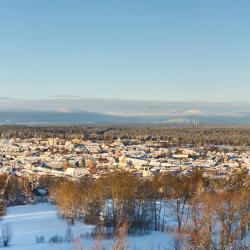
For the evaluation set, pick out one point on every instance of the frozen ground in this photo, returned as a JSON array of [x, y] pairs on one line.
[[28, 222]]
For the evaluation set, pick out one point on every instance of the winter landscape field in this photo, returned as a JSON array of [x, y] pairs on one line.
[[27, 222], [124, 125]]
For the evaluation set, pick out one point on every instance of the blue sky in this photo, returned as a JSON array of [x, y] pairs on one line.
[[133, 49]]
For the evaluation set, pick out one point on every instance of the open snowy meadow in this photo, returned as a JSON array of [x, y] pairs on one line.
[[30, 222]]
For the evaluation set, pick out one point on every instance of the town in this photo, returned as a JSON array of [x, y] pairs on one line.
[[76, 158]]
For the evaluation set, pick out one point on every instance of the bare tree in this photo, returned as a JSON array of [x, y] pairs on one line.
[[6, 235], [68, 233]]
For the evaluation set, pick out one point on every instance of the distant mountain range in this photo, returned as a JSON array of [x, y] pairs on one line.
[[90, 111], [41, 117]]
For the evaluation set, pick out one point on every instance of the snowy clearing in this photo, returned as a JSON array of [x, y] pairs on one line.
[[30, 221]]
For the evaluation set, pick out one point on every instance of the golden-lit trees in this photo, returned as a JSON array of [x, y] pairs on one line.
[[207, 214], [17, 190], [3, 180], [178, 190], [219, 220], [69, 197], [121, 189]]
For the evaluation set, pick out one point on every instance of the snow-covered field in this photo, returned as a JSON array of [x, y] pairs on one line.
[[28, 222]]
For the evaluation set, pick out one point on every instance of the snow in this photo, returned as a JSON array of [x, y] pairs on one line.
[[29, 221]]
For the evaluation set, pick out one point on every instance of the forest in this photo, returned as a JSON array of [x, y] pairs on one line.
[[168, 135]]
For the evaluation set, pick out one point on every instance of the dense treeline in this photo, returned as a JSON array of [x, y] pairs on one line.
[[198, 212], [14, 190], [170, 136]]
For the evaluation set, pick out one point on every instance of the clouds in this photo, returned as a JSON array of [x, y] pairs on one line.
[[123, 107], [194, 112], [93, 110]]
